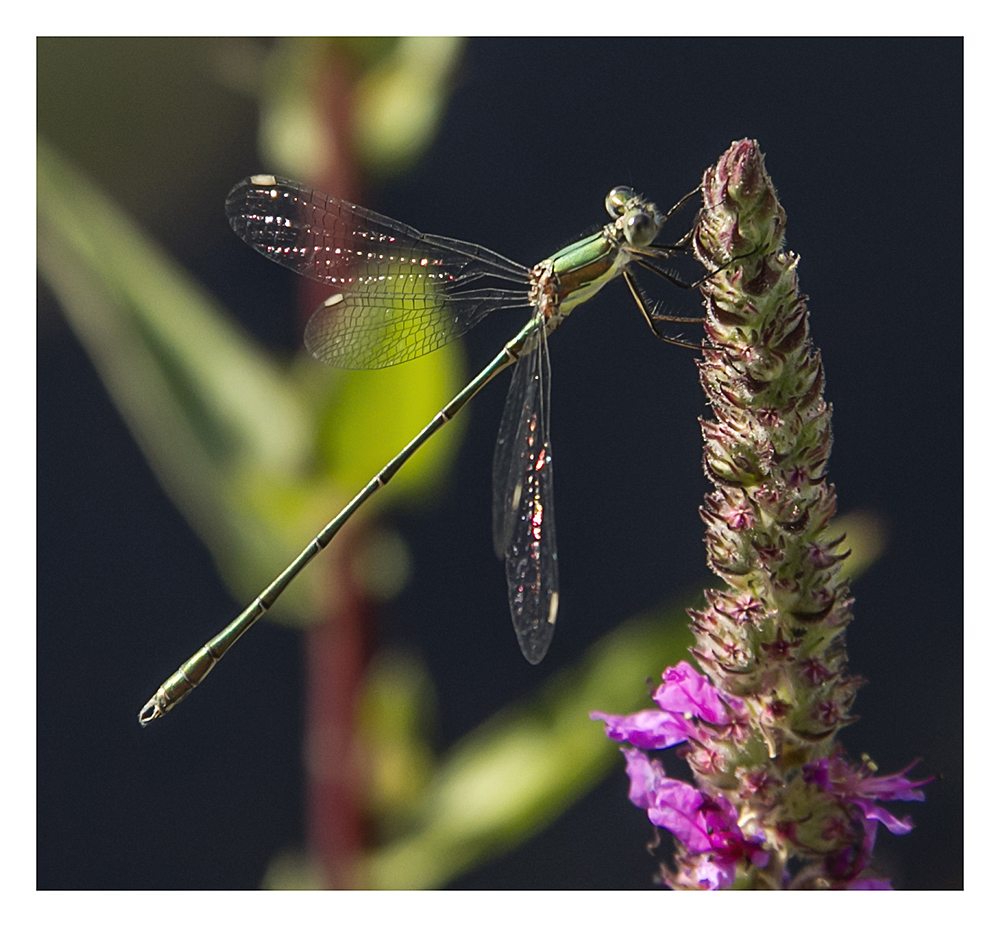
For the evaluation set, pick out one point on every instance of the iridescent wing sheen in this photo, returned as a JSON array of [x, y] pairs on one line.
[[524, 530], [401, 293]]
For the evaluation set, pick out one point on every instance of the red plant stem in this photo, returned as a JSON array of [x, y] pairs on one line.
[[337, 647]]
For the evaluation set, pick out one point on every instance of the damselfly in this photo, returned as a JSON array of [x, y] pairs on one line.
[[400, 294]]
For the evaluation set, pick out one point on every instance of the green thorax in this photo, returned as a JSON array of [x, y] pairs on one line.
[[583, 267]]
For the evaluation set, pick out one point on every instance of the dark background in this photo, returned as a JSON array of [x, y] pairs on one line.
[[863, 139]]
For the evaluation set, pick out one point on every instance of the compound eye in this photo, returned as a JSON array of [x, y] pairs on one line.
[[640, 229], [617, 200]]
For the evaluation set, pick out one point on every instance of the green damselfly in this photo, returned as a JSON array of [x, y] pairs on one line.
[[401, 294]]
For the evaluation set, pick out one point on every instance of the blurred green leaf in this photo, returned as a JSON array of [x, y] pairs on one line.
[[400, 89], [197, 393], [401, 100], [518, 772]]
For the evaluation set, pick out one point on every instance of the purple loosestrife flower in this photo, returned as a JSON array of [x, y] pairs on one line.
[[685, 697], [776, 803], [705, 826]]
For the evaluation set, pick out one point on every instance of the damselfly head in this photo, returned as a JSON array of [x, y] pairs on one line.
[[637, 218]]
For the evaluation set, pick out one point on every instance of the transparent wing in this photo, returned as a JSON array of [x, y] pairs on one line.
[[524, 530], [401, 293]]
